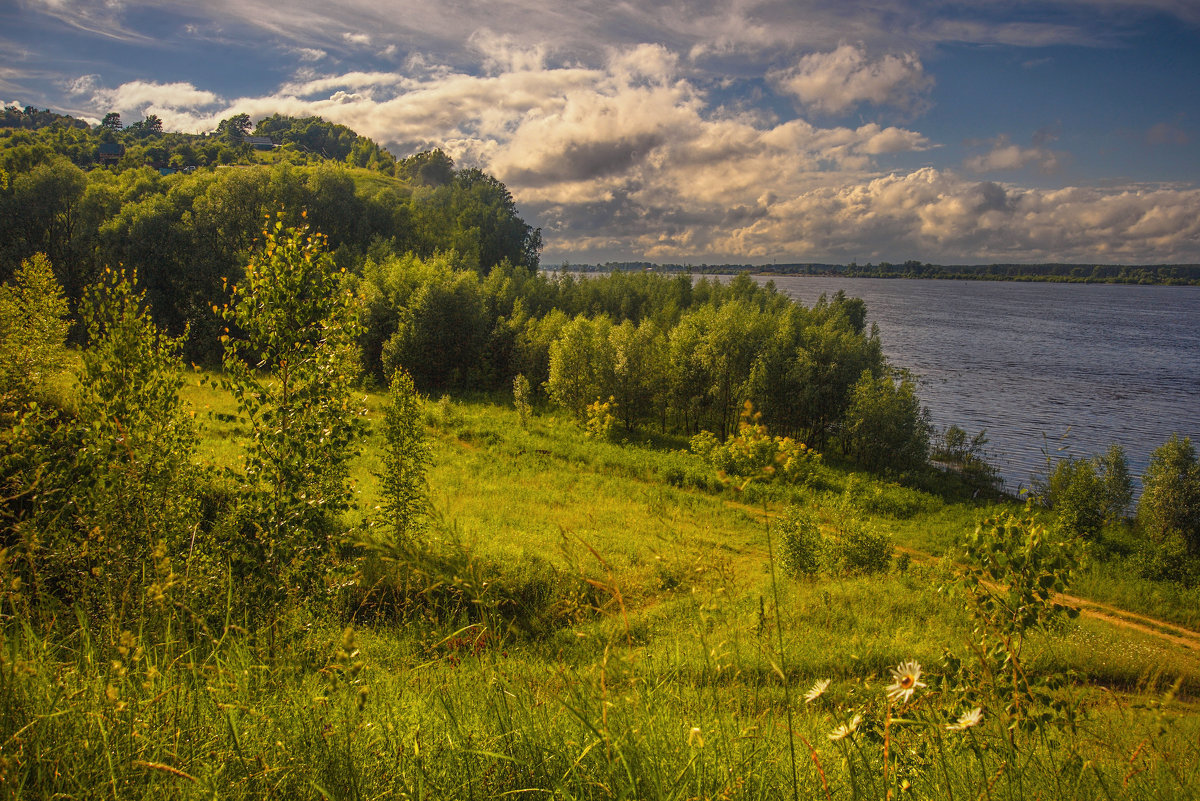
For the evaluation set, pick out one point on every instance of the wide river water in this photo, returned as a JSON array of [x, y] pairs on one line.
[[1041, 366]]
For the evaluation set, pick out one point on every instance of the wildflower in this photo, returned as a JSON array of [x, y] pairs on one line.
[[846, 729], [966, 720], [695, 739], [817, 691], [906, 678]]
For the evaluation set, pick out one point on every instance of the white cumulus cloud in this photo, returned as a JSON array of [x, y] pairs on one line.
[[846, 77], [634, 158], [142, 96], [1003, 154]]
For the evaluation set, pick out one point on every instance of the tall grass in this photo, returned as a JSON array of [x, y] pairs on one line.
[[581, 622]]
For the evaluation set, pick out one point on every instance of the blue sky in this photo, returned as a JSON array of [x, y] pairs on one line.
[[712, 131]]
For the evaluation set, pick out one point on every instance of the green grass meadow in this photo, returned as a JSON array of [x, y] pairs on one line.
[[600, 620]]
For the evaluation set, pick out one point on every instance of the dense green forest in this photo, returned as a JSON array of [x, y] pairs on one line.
[[185, 233], [448, 276]]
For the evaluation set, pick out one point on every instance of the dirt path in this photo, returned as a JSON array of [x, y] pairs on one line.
[[1160, 629], [1114, 616], [1096, 610]]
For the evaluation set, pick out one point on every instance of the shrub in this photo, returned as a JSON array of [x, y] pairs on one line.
[[704, 444], [1118, 484], [93, 494], [858, 547], [885, 427], [1015, 568], [1170, 505], [967, 457], [1087, 493], [801, 546], [1076, 493], [600, 419], [32, 331], [883, 498], [754, 453]]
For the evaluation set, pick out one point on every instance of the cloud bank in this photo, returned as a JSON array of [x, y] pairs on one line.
[[626, 150]]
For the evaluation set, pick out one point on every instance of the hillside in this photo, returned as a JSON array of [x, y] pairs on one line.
[[185, 232], [436, 524]]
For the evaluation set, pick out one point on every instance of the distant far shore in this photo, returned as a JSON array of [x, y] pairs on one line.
[[1157, 274]]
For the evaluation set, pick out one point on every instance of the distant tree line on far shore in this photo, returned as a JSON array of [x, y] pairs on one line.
[[1167, 274]]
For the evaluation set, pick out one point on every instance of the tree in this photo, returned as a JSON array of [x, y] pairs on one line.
[[145, 127], [581, 365], [429, 168], [1118, 484], [442, 332], [639, 371], [111, 121], [235, 128], [885, 427], [33, 329], [292, 376], [405, 460], [1169, 509], [1075, 491], [45, 205]]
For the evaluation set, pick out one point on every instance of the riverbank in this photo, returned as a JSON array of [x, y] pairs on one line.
[[1140, 274]]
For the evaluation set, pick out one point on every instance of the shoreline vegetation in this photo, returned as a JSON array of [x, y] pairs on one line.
[[350, 506], [1142, 274]]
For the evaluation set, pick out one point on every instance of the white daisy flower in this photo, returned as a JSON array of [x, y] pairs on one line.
[[906, 678], [817, 690], [846, 729], [966, 720]]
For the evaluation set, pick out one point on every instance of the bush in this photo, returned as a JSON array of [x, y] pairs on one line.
[[1118, 484], [852, 547], [858, 547], [600, 419], [801, 546], [1087, 493], [883, 498], [754, 453], [1170, 506], [1076, 493], [885, 426], [967, 458]]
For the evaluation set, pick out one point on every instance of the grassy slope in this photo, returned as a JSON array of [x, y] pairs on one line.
[[604, 510], [673, 693]]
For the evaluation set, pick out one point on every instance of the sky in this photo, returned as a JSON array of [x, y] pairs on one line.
[[701, 132]]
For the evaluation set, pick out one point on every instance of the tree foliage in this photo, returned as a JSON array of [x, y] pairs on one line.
[[33, 331], [1169, 509], [885, 425], [291, 370], [405, 461]]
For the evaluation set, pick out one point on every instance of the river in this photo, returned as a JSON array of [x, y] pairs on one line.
[[1045, 368]]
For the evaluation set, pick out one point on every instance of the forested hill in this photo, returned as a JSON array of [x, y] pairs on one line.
[[184, 211]]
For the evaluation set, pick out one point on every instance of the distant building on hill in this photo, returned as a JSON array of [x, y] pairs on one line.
[[259, 142], [110, 152]]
